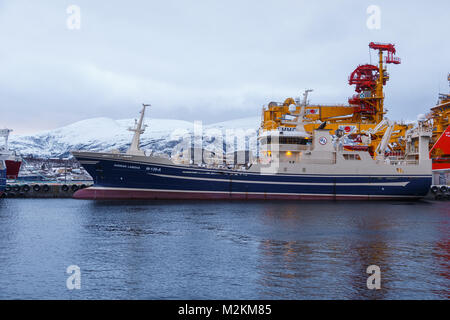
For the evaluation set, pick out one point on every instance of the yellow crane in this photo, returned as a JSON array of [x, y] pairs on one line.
[[364, 112]]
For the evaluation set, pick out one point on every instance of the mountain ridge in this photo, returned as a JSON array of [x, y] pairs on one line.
[[103, 134]]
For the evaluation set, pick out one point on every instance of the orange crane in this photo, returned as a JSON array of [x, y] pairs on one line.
[[365, 110]]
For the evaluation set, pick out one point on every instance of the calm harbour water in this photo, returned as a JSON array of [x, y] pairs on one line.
[[224, 250]]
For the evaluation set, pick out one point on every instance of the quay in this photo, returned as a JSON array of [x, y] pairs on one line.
[[43, 189]]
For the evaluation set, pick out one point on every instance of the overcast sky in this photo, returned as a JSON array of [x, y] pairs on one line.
[[208, 60]]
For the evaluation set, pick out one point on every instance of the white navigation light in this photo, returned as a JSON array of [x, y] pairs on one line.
[[292, 108]]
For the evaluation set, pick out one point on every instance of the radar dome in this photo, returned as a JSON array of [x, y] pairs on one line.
[[421, 117]]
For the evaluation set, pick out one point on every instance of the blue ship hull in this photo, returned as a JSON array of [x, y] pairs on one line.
[[122, 179], [2, 181]]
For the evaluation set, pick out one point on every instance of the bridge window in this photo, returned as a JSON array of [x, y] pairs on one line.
[[349, 156], [286, 140]]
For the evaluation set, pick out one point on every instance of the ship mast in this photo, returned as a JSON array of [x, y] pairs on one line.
[[138, 129], [383, 76], [301, 116]]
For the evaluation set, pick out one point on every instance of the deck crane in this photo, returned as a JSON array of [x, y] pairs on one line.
[[387, 125], [365, 109]]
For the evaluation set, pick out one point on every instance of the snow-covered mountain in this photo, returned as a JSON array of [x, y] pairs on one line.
[[103, 134]]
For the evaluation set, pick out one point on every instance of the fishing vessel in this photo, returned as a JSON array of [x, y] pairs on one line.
[[291, 164], [305, 152], [2, 177], [11, 159]]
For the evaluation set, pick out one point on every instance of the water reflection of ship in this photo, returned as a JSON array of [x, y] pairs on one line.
[[305, 267], [442, 250]]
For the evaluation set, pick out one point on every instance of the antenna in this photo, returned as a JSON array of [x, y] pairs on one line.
[[305, 96]]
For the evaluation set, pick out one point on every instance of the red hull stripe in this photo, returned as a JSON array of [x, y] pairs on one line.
[[99, 193]]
